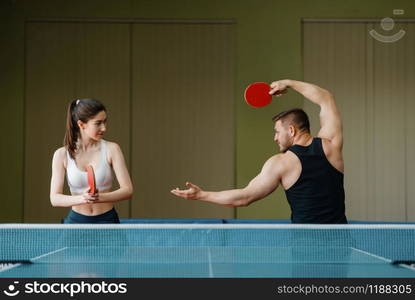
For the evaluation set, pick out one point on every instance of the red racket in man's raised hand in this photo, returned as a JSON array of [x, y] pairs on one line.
[[257, 94], [91, 180]]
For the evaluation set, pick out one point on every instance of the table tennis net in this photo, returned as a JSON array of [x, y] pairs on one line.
[[39, 243]]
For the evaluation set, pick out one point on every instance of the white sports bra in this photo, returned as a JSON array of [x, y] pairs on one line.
[[78, 180]]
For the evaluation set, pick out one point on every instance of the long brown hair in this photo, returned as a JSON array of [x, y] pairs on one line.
[[79, 109]]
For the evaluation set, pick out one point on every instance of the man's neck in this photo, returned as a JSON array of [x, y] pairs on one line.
[[303, 139]]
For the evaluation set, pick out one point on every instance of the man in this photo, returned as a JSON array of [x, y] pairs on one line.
[[310, 169]]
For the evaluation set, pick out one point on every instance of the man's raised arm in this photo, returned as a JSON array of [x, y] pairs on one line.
[[330, 119]]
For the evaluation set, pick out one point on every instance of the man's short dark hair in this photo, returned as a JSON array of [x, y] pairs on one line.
[[295, 116]]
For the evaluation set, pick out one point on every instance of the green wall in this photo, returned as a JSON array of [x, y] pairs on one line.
[[268, 47]]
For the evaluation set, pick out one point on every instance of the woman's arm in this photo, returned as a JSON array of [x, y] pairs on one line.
[[123, 177]]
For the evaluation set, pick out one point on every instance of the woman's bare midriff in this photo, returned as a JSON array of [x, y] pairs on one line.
[[93, 209]]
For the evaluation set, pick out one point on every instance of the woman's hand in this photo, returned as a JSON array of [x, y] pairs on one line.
[[89, 198]]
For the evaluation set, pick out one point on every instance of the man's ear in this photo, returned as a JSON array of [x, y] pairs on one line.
[[292, 130]]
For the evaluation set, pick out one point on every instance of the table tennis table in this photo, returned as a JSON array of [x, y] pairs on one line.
[[206, 251]]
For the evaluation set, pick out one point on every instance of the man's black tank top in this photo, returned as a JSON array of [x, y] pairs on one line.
[[318, 195]]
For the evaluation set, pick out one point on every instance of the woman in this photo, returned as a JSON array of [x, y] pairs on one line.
[[83, 146]]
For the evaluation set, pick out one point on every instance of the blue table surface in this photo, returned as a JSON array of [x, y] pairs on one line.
[[205, 262]]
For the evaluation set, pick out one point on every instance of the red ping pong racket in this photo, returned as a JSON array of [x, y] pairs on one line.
[[257, 94], [91, 180]]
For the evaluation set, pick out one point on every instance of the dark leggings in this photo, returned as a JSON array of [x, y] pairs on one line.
[[108, 217]]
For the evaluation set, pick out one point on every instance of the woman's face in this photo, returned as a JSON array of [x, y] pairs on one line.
[[95, 127]]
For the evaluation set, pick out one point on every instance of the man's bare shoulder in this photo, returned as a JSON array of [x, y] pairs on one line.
[[281, 159]]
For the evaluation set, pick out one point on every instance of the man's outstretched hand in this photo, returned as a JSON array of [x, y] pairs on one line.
[[193, 192]]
